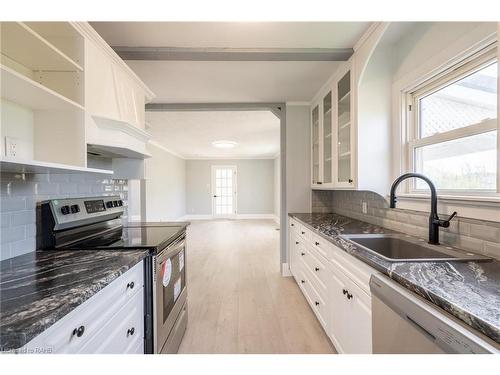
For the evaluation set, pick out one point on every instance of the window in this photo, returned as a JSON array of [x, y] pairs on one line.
[[453, 129]]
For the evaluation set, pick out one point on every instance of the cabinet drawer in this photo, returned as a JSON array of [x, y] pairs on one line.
[[92, 315], [321, 245], [123, 332], [318, 271], [356, 270], [317, 303]]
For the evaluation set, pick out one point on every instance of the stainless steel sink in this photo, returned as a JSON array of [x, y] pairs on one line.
[[401, 248]]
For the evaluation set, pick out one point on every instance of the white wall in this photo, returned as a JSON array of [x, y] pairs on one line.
[[165, 185], [277, 187], [298, 159], [255, 183]]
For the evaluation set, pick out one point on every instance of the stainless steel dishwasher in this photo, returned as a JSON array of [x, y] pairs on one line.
[[405, 323]]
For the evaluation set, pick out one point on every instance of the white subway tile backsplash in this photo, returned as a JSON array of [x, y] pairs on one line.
[[21, 194], [22, 217], [12, 234]]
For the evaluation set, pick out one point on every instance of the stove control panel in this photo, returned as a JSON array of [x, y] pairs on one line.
[[71, 212]]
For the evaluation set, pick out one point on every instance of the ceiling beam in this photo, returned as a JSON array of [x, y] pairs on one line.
[[233, 54], [275, 108]]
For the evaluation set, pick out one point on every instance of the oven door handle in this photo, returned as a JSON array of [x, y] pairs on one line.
[[171, 250]]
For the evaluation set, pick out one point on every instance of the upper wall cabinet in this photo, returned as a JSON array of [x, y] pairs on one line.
[[332, 163]]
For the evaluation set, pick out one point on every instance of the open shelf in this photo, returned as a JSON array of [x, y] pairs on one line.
[[26, 47], [345, 99], [345, 126], [34, 166], [20, 89]]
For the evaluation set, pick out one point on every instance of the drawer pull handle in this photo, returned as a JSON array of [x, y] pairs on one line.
[[130, 285], [317, 243], [303, 281], [296, 242], [349, 296], [79, 331], [130, 331], [302, 254], [316, 269], [344, 291], [316, 303]]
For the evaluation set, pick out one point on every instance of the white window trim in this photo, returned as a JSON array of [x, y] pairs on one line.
[[410, 99]]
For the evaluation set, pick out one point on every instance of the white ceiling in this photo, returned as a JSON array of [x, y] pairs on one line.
[[190, 134], [232, 34], [233, 81]]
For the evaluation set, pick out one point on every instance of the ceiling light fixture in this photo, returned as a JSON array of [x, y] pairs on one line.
[[224, 144]]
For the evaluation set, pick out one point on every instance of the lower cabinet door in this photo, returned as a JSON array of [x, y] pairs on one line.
[[124, 333], [350, 328]]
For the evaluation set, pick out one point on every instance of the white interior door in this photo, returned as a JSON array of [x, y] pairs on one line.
[[224, 190]]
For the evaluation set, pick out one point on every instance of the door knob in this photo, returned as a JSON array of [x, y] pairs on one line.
[[316, 269], [131, 331]]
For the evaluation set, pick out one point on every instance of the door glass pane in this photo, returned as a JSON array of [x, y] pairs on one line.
[[327, 138], [315, 143], [462, 164], [224, 191], [467, 101], [344, 129]]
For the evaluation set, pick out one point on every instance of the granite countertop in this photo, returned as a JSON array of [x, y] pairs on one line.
[[39, 288], [470, 291]]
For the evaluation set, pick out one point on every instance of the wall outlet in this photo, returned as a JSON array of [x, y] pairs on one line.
[[364, 206], [11, 146]]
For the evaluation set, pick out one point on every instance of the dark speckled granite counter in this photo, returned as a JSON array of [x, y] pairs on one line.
[[39, 288], [468, 290]]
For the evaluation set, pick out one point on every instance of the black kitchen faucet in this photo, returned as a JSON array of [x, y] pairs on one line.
[[434, 221]]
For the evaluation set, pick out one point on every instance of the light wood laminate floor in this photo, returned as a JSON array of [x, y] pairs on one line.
[[238, 301]]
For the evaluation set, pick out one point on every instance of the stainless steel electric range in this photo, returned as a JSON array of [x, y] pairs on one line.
[[96, 224]]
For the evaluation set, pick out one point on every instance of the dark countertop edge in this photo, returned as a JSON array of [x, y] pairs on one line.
[[428, 295], [90, 291]]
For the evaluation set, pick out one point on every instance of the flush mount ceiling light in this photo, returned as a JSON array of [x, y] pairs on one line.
[[224, 144]]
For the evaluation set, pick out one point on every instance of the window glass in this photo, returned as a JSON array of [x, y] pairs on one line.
[[468, 101], [468, 163]]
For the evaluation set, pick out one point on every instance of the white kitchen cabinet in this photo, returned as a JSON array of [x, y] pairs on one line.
[[332, 134], [111, 321], [350, 315], [335, 284]]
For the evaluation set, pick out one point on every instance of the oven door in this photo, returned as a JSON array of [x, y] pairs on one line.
[[170, 288]]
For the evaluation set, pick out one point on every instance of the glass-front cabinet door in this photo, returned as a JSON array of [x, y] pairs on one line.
[[327, 137], [344, 132], [315, 145]]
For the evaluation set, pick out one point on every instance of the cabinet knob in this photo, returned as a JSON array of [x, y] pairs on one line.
[[349, 296], [344, 292], [350, 180], [302, 254], [302, 281], [78, 332], [316, 243], [303, 232], [292, 224], [296, 242], [130, 331], [316, 303], [130, 285], [316, 269]]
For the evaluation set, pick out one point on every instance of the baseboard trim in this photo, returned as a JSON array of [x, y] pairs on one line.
[[285, 270]]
